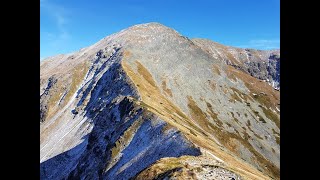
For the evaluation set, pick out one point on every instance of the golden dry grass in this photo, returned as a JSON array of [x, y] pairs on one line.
[[178, 168], [271, 97], [215, 69], [226, 137], [122, 142], [227, 53], [264, 93], [160, 167], [77, 76], [165, 88], [157, 103]]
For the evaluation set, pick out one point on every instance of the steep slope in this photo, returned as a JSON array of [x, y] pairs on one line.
[[115, 109], [264, 65]]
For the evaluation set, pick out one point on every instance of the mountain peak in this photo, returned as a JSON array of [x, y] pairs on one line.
[[147, 102], [150, 24], [151, 27]]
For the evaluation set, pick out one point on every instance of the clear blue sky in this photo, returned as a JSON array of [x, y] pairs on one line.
[[69, 25]]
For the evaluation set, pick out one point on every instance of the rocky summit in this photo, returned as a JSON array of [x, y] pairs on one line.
[[150, 103]]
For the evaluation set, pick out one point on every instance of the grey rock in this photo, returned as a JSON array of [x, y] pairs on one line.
[[111, 110]]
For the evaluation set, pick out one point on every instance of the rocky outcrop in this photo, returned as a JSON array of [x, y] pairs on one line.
[[124, 136], [45, 96], [187, 167], [120, 107], [264, 65]]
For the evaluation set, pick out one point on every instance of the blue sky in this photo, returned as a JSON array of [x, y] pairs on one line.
[[69, 25]]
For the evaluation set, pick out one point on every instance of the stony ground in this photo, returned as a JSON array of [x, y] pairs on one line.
[[117, 108]]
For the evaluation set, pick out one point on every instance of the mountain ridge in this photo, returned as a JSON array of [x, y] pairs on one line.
[[131, 72]]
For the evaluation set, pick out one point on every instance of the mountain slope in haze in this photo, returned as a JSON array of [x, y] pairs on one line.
[[147, 103]]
